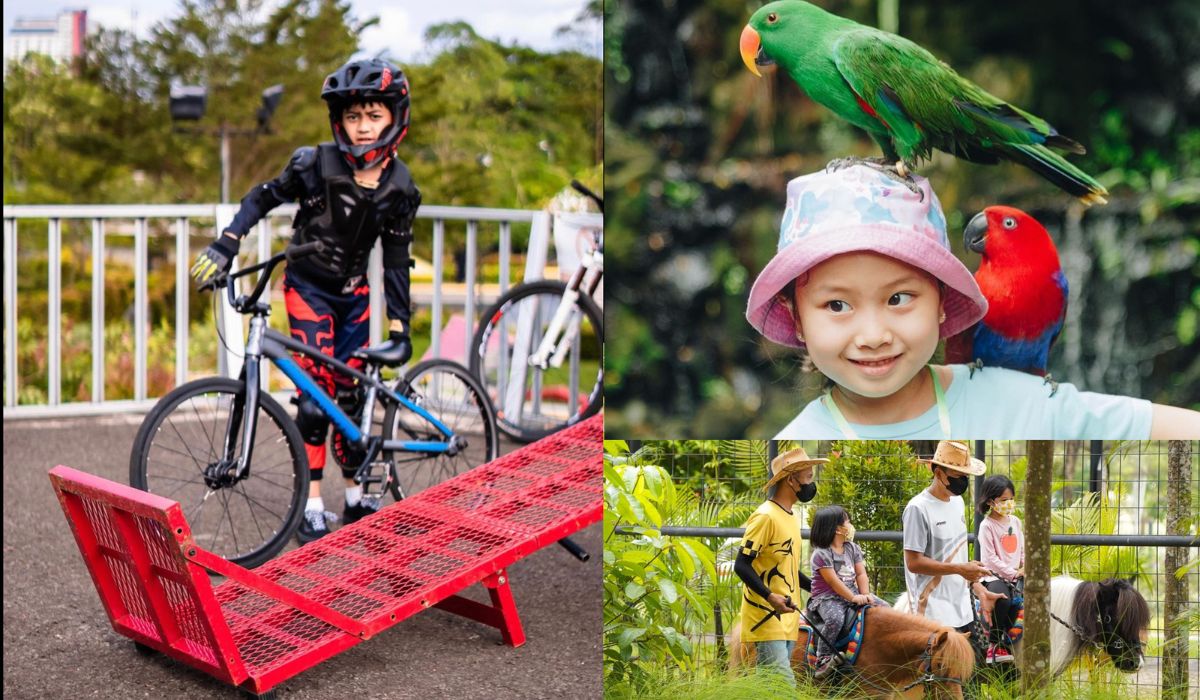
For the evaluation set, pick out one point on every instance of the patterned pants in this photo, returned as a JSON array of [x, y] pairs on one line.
[[832, 609], [337, 323]]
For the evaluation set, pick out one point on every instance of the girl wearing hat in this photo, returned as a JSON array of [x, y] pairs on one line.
[[768, 564], [864, 280]]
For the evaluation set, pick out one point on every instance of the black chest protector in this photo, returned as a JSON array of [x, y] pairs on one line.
[[348, 218]]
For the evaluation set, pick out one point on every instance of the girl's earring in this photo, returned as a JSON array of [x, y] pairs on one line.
[[943, 318], [799, 335]]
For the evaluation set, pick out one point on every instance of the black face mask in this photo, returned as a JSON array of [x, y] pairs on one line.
[[957, 485], [806, 493]]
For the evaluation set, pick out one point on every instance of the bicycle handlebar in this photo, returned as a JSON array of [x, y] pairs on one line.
[[292, 253], [582, 189]]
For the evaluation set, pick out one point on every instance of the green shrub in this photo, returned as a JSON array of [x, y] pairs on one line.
[[649, 603]]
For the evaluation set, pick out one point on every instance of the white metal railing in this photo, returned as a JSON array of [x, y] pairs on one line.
[[229, 322]]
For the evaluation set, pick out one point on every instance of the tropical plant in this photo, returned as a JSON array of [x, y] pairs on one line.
[[649, 603], [1095, 513]]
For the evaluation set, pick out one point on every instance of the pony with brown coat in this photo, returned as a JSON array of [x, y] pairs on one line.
[[892, 658]]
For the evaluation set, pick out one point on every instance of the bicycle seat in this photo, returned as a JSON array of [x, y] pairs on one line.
[[387, 354]]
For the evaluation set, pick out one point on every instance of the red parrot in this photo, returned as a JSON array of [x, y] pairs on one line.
[[1026, 291]]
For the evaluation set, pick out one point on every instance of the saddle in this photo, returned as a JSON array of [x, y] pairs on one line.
[[849, 636], [1017, 596]]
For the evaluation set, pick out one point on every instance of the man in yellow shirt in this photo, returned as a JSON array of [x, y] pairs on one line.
[[768, 563]]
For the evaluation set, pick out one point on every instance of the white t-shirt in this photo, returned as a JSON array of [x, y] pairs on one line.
[[937, 529], [998, 404]]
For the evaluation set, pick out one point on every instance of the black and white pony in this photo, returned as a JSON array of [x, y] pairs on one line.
[[1088, 618]]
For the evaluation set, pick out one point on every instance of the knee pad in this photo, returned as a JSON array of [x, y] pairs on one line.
[[311, 420]]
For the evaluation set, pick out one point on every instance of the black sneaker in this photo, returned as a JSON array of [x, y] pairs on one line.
[[312, 526], [365, 507]]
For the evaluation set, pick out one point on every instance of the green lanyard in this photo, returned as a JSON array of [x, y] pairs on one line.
[[848, 432]]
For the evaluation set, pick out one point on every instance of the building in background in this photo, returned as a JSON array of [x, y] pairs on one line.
[[61, 38]]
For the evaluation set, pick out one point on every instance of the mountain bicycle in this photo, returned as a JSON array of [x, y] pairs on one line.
[[233, 457], [539, 350]]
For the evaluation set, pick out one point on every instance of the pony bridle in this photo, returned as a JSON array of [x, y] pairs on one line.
[[1107, 632], [927, 676]]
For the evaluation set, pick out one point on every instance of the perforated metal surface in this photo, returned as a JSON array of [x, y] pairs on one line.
[[409, 556], [397, 560], [130, 541]]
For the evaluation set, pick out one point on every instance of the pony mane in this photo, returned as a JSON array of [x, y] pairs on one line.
[[953, 656], [1131, 612]]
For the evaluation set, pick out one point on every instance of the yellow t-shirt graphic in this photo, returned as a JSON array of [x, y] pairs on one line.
[[773, 539]]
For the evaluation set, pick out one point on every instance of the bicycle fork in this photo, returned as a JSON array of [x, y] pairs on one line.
[[243, 417], [586, 278]]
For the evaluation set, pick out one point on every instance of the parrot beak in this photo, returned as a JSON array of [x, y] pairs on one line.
[[752, 52], [975, 235]]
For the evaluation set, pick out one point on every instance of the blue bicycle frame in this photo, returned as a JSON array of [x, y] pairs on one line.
[[265, 342]]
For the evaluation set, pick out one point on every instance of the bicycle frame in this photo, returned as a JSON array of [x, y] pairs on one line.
[[265, 342], [584, 280]]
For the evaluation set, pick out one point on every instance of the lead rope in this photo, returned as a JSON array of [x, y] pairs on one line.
[[848, 432]]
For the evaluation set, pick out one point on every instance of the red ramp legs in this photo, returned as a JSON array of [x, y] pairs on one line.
[[501, 614]]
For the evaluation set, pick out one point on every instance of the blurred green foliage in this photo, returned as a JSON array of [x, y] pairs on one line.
[[699, 151]]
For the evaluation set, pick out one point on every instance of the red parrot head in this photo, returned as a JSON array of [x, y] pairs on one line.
[[1007, 235]]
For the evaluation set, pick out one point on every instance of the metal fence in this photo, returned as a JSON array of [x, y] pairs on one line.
[[1131, 474], [173, 233]]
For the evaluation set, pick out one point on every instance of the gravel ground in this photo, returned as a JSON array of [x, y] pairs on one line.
[[58, 642]]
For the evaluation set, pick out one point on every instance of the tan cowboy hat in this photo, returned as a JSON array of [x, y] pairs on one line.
[[955, 455], [791, 462]]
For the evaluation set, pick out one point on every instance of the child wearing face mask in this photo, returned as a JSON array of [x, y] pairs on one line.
[[839, 580], [1002, 551], [864, 280]]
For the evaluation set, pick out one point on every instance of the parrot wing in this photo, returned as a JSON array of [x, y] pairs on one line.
[[925, 104]]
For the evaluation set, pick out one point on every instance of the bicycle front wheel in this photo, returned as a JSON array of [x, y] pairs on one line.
[[532, 402], [182, 440], [449, 393]]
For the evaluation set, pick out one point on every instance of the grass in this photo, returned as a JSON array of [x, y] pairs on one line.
[[1100, 683]]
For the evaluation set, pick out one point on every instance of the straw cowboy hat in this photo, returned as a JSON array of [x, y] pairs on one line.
[[791, 462], [955, 455]]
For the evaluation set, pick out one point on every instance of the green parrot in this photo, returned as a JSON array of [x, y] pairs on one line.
[[904, 97]]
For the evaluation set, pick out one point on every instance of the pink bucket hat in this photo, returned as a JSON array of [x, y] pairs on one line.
[[859, 208]]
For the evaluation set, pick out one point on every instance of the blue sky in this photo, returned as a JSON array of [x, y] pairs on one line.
[[402, 24]]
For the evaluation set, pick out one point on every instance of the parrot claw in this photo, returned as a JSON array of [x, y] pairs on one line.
[[839, 163], [1053, 384], [976, 365], [898, 170]]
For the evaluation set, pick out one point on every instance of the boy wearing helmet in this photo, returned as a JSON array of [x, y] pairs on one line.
[[351, 192]]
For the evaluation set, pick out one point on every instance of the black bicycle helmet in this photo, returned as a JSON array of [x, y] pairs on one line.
[[373, 80]]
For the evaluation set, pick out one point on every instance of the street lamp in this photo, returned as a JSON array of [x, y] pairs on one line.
[[188, 103]]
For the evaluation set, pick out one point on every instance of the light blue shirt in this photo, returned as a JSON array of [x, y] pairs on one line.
[[998, 404]]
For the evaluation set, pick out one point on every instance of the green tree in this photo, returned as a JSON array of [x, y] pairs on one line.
[[873, 480]]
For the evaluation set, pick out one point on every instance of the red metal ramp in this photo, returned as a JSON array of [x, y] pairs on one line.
[[261, 627]]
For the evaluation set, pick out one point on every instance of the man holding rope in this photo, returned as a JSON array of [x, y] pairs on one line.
[[937, 571], [768, 563]]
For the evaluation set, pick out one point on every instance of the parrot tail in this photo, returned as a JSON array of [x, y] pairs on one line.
[[1058, 171]]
